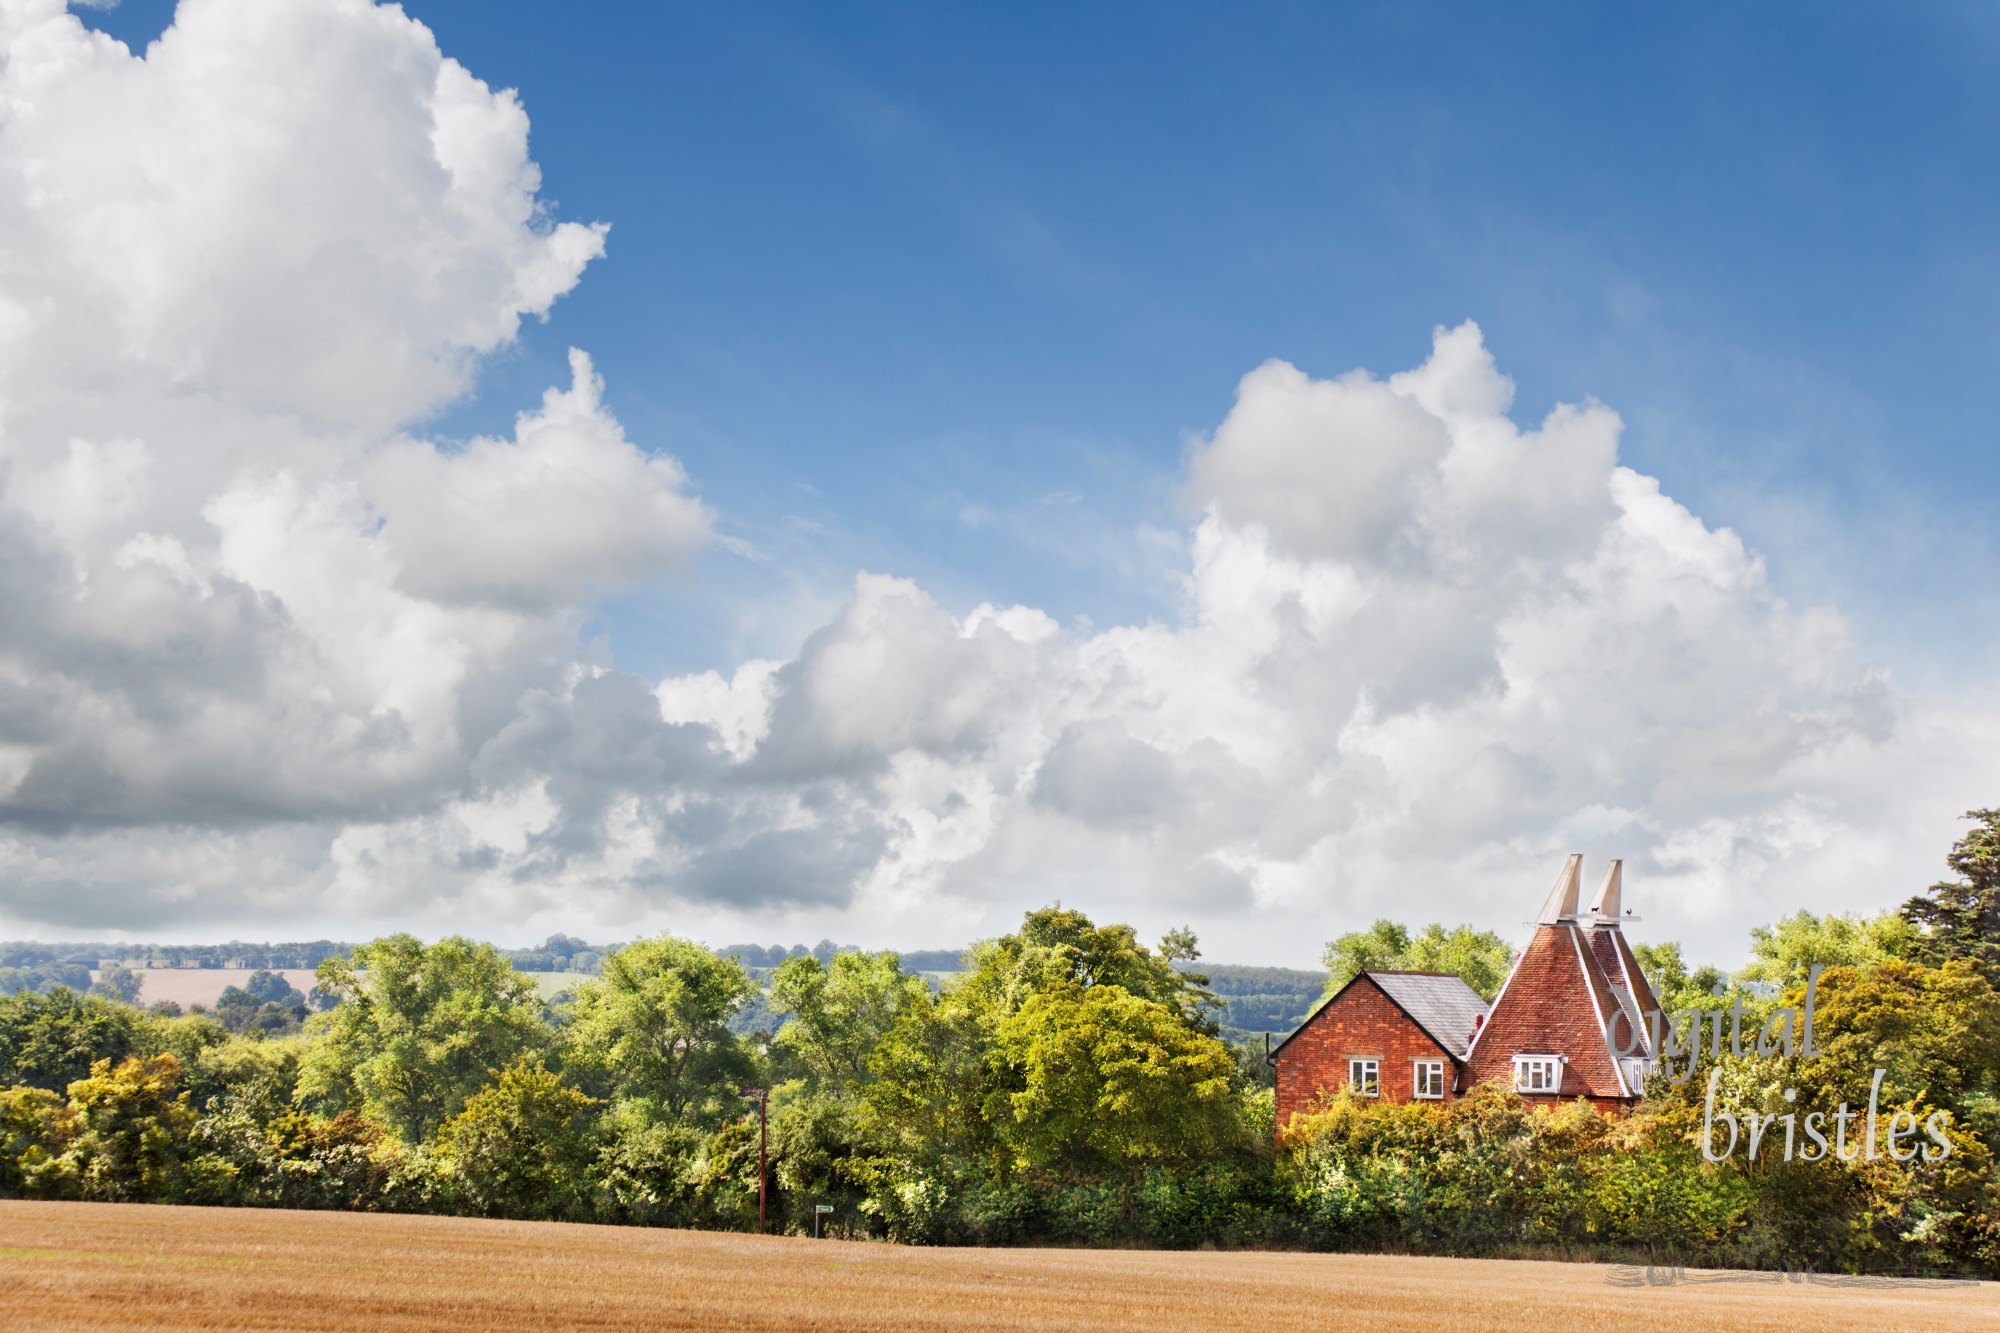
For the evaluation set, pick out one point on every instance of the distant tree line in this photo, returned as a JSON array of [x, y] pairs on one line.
[[28, 965], [93, 954], [1068, 1084], [44, 976]]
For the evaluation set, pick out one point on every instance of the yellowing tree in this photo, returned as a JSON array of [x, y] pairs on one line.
[[124, 1130], [1108, 1077]]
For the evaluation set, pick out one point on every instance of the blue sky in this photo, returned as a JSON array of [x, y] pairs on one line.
[[878, 270], [976, 298]]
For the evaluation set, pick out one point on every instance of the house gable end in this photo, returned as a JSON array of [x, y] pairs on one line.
[[1327, 1004], [1360, 1022]]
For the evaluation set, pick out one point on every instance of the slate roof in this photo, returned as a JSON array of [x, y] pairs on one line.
[[1442, 1004]]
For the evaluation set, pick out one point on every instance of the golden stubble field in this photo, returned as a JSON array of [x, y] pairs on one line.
[[131, 1266]]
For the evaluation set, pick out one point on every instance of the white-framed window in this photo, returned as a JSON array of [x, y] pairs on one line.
[[1538, 1073], [1430, 1079], [1365, 1076]]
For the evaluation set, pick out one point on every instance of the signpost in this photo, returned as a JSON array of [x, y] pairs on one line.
[[819, 1210]]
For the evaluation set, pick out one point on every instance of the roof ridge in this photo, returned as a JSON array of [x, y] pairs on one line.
[[1409, 972]]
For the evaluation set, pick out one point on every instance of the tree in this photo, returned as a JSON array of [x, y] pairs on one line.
[[840, 1012], [1783, 954], [29, 1118], [257, 1077], [50, 1040], [265, 1005], [1936, 1030], [1102, 1078], [523, 1146], [1676, 988], [43, 976], [124, 1131], [1068, 1047], [654, 1029], [295, 1160], [1960, 918], [188, 1038], [1381, 947], [418, 1030], [117, 982], [1059, 946], [1479, 957], [926, 1106]]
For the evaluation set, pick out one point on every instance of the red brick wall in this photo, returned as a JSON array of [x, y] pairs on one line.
[[1362, 1021]]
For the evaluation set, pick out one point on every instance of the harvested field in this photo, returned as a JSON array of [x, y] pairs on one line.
[[203, 985], [133, 1266]]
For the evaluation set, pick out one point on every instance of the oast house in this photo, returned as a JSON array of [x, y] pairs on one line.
[[1572, 1020]]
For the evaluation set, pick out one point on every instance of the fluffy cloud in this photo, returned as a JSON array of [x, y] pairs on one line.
[[566, 508], [268, 655], [1426, 652], [298, 208], [243, 607]]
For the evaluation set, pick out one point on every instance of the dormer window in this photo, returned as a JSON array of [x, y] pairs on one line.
[[1537, 1073]]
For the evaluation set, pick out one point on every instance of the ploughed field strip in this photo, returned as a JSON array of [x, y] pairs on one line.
[[130, 1266]]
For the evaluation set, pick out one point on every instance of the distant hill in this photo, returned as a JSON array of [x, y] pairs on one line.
[[1258, 1000]]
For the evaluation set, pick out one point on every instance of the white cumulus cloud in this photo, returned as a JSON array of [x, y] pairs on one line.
[[1425, 653], [269, 655], [243, 602]]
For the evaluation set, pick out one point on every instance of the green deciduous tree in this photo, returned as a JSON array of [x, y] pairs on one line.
[[653, 1030], [1936, 1030], [50, 1040], [1381, 947], [927, 1103], [1058, 946], [1479, 957], [28, 1138], [522, 1147], [840, 1011], [260, 1077], [1783, 954], [117, 982], [418, 1031], [1677, 988], [1068, 1075], [294, 1160]]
